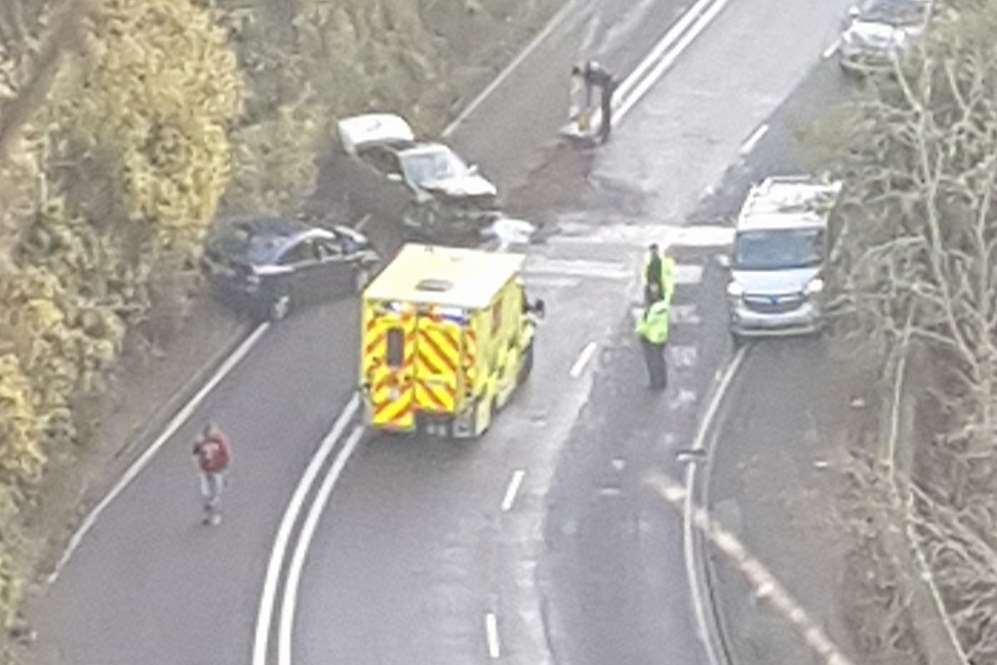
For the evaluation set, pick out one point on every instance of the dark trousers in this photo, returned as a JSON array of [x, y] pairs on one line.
[[654, 358], [607, 114]]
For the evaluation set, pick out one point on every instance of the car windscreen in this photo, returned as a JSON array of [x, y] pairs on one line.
[[778, 249], [423, 167], [243, 243]]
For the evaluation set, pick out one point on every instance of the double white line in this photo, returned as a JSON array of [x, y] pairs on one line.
[[292, 578], [662, 57]]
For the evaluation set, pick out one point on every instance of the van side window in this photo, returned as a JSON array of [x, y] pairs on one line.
[[396, 348]]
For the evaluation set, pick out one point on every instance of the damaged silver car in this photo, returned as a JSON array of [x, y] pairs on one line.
[[383, 171]]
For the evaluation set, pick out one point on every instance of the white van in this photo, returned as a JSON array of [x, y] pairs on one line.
[[778, 257]]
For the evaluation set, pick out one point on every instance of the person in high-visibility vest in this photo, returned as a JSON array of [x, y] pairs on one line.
[[659, 276], [652, 329]]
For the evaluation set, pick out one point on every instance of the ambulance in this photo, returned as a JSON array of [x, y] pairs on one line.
[[446, 338]]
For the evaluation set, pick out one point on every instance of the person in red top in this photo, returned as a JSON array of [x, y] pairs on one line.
[[212, 454]]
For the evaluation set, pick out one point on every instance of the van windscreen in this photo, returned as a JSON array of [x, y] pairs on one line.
[[778, 249]]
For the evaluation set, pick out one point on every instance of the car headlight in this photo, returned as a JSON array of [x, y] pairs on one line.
[[735, 290], [814, 286]]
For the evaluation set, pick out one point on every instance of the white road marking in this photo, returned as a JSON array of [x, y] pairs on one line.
[[512, 489], [830, 50], [693, 236], [583, 360], [171, 428], [681, 400], [550, 282], [685, 315], [492, 636], [688, 273], [682, 355], [659, 70], [268, 596], [538, 265], [362, 223], [290, 602], [472, 107], [753, 140], [691, 569]]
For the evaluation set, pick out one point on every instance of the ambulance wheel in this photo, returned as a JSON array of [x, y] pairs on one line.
[[527, 366]]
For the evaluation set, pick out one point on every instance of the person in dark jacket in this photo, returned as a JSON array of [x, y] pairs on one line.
[[595, 75]]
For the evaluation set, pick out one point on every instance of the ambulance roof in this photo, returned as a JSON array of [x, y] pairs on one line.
[[450, 276]]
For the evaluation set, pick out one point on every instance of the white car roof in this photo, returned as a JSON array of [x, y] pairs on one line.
[[358, 131], [783, 202]]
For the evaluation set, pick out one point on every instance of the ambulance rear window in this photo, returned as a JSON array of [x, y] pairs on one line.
[[396, 347]]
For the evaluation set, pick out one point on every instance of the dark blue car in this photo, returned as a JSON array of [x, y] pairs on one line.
[[270, 265]]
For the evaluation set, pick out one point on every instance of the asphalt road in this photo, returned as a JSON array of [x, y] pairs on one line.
[[779, 440], [415, 551], [587, 566]]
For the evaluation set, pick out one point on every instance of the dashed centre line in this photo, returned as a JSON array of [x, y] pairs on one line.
[[753, 140], [512, 489], [829, 51], [583, 360], [492, 636]]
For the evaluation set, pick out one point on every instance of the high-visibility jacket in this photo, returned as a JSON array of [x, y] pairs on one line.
[[653, 324], [661, 270]]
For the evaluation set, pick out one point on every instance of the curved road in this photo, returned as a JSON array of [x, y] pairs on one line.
[[415, 553]]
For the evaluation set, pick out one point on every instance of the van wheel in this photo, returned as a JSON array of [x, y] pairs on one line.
[[280, 307], [527, 366]]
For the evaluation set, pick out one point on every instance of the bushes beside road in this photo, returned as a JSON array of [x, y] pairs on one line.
[[125, 126], [919, 155], [117, 169]]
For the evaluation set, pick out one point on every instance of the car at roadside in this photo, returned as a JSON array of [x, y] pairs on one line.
[[876, 31], [270, 265], [778, 259], [382, 170]]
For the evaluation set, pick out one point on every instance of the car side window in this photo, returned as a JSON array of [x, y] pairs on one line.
[[383, 160], [329, 249], [303, 252]]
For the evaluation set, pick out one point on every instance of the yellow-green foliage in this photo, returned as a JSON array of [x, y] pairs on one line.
[[111, 184], [21, 456], [161, 86], [275, 159]]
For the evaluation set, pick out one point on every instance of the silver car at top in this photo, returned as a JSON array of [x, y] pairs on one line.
[[876, 31]]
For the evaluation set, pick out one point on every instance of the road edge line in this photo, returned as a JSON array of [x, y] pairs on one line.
[[268, 595], [289, 602], [136, 467], [553, 23], [698, 585]]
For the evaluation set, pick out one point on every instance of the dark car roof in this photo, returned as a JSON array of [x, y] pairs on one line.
[[259, 240]]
